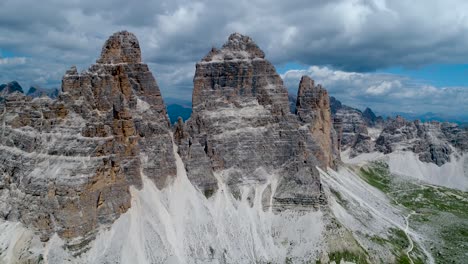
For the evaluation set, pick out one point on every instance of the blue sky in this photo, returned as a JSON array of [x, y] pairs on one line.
[[6, 54], [406, 55], [436, 74]]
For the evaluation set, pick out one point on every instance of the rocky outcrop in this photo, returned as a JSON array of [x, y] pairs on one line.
[[371, 119], [241, 127], [313, 109], [353, 125], [432, 141], [67, 164]]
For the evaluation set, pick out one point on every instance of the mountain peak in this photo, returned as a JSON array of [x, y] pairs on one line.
[[121, 47], [238, 47], [10, 87]]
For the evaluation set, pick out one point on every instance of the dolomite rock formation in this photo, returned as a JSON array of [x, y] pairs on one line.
[[432, 141], [371, 119], [241, 127], [66, 165], [313, 108], [353, 126]]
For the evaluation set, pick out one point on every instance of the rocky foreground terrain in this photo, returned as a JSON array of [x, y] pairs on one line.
[[98, 175]]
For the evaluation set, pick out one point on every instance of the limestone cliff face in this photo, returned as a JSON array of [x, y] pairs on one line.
[[313, 109], [433, 141], [67, 164], [241, 126], [352, 127]]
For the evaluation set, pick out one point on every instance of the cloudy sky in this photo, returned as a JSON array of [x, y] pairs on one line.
[[399, 55]]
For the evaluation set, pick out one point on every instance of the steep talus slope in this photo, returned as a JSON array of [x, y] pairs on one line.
[[241, 122], [67, 164]]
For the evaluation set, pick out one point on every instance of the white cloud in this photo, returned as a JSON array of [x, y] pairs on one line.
[[12, 61]]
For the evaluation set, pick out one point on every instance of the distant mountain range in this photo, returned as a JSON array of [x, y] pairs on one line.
[[429, 116], [14, 86]]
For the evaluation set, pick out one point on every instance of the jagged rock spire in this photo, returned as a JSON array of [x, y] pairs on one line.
[[121, 47], [313, 108], [237, 73], [237, 47]]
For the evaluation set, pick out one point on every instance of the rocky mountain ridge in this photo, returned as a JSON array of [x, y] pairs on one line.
[[68, 163], [98, 175], [9, 88], [14, 86], [241, 122], [433, 142]]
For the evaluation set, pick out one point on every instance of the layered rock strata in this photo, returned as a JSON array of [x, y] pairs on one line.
[[433, 141], [241, 129], [67, 164]]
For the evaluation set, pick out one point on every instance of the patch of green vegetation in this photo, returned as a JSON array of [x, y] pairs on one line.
[[440, 213], [431, 200], [209, 192], [357, 258], [339, 198], [398, 239], [403, 259], [377, 175], [379, 240]]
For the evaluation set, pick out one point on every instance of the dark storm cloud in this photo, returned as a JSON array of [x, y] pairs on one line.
[[350, 35]]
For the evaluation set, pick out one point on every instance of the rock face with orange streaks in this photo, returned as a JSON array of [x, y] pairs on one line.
[[67, 164], [313, 109]]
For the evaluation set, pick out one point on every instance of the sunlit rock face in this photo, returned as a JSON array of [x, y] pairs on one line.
[[67, 164], [313, 109], [241, 125]]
